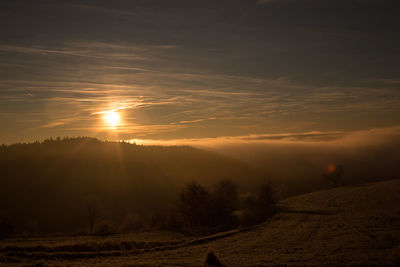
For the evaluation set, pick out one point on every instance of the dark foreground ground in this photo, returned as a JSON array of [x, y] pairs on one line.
[[357, 225]]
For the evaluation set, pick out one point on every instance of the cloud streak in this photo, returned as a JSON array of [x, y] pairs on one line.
[[335, 139], [155, 97], [95, 50]]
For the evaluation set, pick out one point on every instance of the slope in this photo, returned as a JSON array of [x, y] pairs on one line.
[[355, 225], [343, 226], [49, 186]]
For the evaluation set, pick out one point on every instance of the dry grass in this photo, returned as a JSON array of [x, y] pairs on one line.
[[358, 225]]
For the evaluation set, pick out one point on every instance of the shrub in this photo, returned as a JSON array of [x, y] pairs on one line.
[[103, 229], [247, 217], [165, 221], [197, 207], [131, 223], [257, 208]]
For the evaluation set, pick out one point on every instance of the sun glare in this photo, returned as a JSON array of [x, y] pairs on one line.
[[111, 118]]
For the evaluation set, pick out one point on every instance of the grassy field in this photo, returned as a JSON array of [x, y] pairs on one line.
[[357, 225]]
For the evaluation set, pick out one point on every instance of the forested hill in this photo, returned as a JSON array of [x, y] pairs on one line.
[[49, 185]]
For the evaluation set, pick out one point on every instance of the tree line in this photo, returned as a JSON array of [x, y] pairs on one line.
[[218, 208]]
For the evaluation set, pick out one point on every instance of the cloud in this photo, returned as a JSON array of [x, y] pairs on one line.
[[95, 50], [296, 137], [370, 137], [197, 120], [138, 80], [263, 66], [55, 124], [212, 104]]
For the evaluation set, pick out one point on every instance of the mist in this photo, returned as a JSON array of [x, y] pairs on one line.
[[295, 162]]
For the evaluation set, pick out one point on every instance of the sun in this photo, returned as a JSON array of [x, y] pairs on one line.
[[111, 118]]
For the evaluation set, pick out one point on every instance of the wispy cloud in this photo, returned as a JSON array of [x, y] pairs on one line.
[[56, 123], [370, 137], [69, 96], [179, 98], [93, 50]]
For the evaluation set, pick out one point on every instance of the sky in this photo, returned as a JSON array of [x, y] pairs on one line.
[[198, 69]]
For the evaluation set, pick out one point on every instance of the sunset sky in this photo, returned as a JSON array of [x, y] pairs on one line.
[[193, 69]]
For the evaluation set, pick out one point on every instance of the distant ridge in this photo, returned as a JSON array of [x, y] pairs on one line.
[[47, 184]]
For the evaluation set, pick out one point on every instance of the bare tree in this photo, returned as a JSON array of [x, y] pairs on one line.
[[92, 215], [225, 200], [193, 205], [267, 200]]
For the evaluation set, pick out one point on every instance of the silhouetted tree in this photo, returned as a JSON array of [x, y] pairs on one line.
[[334, 175], [125, 177], [266, 201], [92, 215], [193, 204], [197, 206], [224, 202]]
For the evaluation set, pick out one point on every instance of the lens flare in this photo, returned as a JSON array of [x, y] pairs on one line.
[[111, 118], [331, 168]]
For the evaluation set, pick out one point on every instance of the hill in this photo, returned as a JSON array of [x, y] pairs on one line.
[[355, 225], [50, 186], [343, 226]]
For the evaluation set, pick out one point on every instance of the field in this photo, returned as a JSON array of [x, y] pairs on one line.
[[355, 225]]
